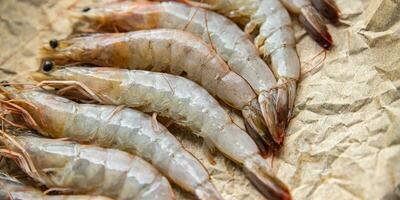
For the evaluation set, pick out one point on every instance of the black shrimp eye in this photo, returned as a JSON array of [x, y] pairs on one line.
[[47, 65], [86, 9], [53, 43], [5, 83]]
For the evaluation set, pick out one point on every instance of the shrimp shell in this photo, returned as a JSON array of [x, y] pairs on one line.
[[11, 188], [126, 129], [186, 103], [228, 40], [85, 169]]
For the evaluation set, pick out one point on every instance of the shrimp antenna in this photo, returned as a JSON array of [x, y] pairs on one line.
[[13, 108], [82, 89], [314, 68]]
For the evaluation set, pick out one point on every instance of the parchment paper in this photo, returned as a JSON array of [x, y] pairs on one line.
[[343, 142]]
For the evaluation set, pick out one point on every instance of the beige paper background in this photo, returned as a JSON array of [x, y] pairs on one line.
[[343, 142]]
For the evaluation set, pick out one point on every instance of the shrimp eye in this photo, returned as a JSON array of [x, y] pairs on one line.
[[47, 65], [5, 83], [53, 43], [86, 9]]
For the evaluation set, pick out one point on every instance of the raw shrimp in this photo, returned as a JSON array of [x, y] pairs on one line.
[[229, 41], [122, 128], [165, 50], [277, 44], [182, 100], [11, 188], [85, 169], [242, 11]]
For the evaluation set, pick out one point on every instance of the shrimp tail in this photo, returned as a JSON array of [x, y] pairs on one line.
[[269, 112], [315, 26], [285, 102], [255, 129], [282, 110], [291, 88], [207, 191], [257, 170], [328, 9]]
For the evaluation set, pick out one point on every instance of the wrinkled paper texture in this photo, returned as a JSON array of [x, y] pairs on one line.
[[343, 141]]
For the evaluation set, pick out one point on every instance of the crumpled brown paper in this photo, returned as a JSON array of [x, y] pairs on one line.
[[343, 141]]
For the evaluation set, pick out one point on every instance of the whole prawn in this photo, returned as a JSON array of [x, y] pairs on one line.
[[109, 126], [229, 41], [182, 100], [164, 50], [85, 169], [242, 11], [11, 188]]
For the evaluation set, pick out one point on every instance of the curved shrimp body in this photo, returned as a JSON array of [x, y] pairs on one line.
[[85, 169], [311, 20], [229, 41], [13, 189], [308, 15], [277, 44], [186, 103], [127, 130]]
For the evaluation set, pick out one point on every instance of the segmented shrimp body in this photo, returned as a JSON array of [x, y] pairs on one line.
[[11, 188], [85, 169], [186, 103], [125, 129], [229, 41]]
